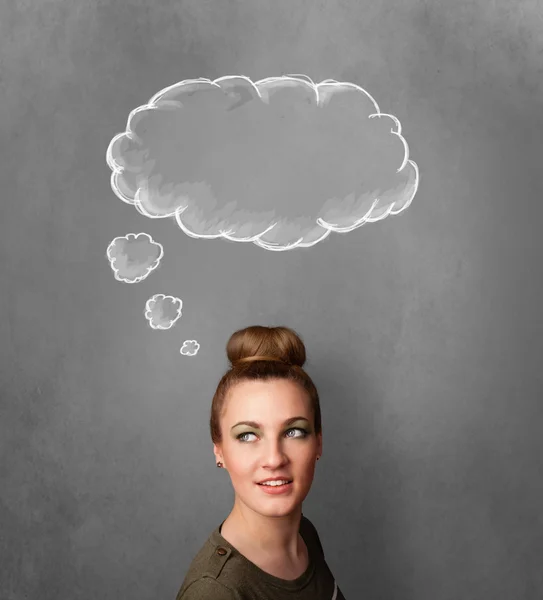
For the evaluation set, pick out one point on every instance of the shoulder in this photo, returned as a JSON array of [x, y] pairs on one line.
[[206, 588], [204, 579]]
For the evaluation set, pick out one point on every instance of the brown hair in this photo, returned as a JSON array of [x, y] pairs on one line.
[[263, 353]]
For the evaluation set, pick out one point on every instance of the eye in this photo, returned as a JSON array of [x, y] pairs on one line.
[[301, 429]]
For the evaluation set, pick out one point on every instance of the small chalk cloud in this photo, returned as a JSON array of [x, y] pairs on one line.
[[134, 256], [162, 312], [281, 162], [189, 348]]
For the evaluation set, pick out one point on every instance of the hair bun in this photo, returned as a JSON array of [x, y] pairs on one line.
[[259, 343], [258, 357]]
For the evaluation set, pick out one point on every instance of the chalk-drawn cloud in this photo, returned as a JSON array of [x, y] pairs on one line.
[[162, 311], [189, 348], [134, 256], [281, 162]]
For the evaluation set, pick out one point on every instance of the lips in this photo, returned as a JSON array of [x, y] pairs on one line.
[[287, 479], [281, 484], [277, 490]]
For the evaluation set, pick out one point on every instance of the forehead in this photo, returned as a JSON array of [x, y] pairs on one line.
[[272, 399]]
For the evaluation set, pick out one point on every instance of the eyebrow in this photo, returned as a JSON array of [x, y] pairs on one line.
[[259, 426]]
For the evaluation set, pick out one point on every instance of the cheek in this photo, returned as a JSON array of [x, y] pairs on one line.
[[240, 468]]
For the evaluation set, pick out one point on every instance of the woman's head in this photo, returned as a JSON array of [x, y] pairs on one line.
[[267, 386]]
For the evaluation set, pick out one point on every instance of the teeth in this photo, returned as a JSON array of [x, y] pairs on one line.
[[274, 483]]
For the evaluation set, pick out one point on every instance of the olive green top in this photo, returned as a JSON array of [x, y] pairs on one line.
[[220, 572]]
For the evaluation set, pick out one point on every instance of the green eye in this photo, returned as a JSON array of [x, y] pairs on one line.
[[241, 435]]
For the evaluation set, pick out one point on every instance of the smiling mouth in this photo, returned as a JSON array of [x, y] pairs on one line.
[[275, 485]]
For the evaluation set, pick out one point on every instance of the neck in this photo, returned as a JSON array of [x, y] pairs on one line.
[[268, 536]]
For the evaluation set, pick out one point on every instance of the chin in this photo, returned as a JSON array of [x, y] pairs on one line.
[[278, 511]]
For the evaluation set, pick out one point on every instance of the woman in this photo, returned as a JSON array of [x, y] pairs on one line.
[[265, 425]]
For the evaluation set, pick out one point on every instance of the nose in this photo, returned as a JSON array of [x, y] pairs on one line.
[[274, 456]]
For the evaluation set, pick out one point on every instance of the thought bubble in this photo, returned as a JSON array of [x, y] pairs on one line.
[[280, 163], [162, 311], [134, 256], [189, 348]]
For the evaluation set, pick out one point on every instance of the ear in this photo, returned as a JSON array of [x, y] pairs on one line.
[[319, 443], [217, 451]]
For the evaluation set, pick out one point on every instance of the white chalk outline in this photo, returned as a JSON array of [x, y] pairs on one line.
[[125, 237], [117, 170], [188, 342], [148, 309]]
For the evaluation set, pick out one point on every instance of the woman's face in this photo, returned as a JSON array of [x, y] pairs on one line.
[[271, 446]]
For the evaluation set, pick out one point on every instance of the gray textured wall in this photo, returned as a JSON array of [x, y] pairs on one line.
[[424, 331]]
